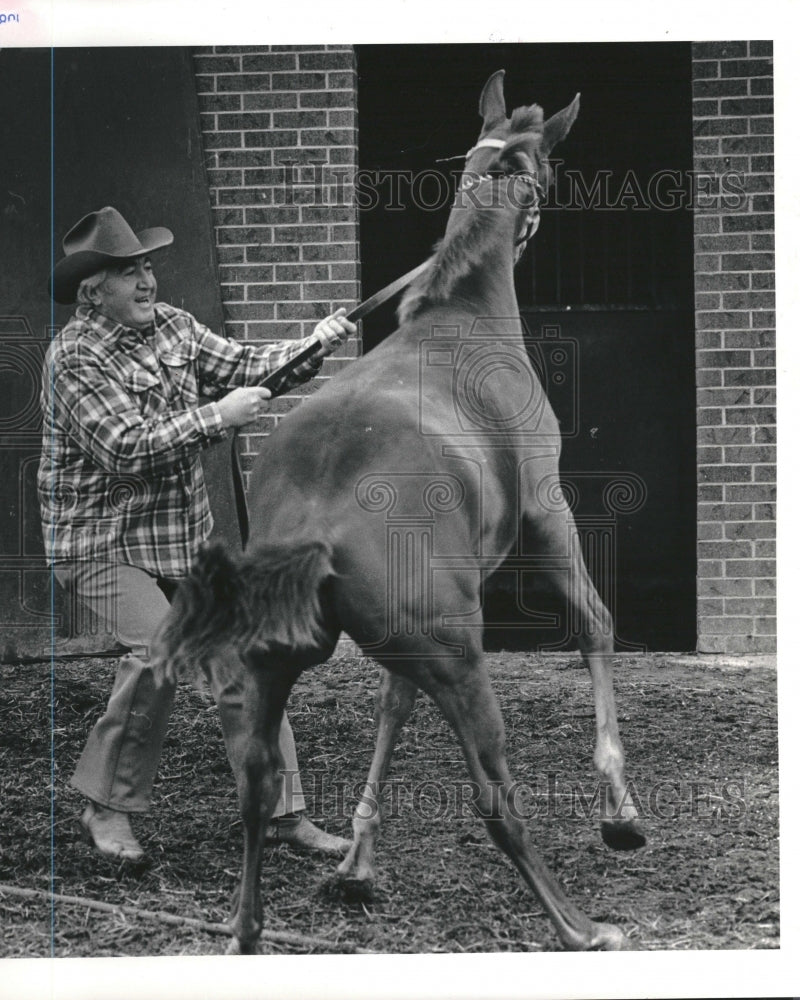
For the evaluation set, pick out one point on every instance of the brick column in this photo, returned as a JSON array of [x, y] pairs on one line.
[[280, 132], [735, 323]]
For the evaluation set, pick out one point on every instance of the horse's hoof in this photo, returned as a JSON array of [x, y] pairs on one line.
[[622, 835], [239, 947], [609, 938], [596, 937], [349, 889]]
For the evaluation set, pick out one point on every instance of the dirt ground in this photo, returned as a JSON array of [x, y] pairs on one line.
[[701, 741]]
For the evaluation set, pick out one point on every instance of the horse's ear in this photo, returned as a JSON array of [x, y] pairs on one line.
[[556, 128], [492, 105]]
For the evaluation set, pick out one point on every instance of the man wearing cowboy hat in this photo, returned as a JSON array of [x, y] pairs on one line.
[[123, 500]]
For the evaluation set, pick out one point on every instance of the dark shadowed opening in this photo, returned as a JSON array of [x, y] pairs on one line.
[[606, 292]]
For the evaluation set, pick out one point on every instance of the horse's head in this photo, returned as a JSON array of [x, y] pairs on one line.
[[507, 170], [508, 165], [520, 144]]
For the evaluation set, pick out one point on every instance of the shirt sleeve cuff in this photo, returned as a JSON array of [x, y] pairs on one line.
[[211, 421], [313, 364]]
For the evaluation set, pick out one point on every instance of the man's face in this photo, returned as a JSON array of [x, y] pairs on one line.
[[128, 293]]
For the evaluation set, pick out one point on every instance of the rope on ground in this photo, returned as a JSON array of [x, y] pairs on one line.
[[277, 937]]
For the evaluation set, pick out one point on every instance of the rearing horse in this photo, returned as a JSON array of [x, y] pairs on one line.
[[379, 507]]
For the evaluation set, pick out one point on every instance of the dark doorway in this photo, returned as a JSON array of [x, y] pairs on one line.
[[606, 293]]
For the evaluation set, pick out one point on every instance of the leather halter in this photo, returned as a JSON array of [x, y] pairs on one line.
[[533, 215], [532, 219], [488, 142]]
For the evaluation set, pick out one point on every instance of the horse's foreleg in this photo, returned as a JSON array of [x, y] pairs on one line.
[[393, 705], [596, 641], [258, 780], [594, 628], [470, 705]]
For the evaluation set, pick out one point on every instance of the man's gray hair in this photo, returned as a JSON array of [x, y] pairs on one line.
[[90, 285]]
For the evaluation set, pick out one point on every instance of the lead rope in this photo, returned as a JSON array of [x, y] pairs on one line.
[[274, 378], [358, 312]]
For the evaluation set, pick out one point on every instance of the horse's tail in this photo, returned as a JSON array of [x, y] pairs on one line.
[[271, 601]]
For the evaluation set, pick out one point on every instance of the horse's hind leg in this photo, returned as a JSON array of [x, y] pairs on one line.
[[557, 540], [469, 704], [265, 692], [393, 705]]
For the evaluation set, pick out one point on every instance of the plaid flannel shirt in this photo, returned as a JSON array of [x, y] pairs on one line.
[[120, 476]]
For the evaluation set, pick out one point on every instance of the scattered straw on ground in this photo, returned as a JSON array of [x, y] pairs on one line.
[[702, 753]]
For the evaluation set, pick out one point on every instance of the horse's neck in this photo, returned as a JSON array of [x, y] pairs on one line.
[[473, 266]]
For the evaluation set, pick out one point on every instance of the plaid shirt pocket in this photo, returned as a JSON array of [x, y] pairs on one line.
[[180, 365], [144, 387]]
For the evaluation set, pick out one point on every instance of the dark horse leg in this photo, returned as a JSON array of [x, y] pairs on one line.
[[466, 698], [393, 705], [257, 767], [557, 538]]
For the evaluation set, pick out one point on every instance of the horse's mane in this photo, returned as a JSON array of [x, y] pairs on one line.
[[453, 259]]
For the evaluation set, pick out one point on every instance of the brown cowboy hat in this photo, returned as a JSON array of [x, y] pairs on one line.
[[99, 238]]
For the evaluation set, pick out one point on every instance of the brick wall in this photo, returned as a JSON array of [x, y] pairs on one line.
[[280, 133], [735, 323]]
